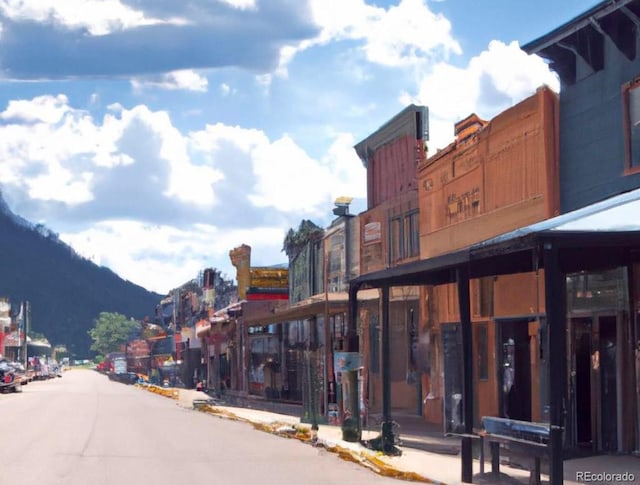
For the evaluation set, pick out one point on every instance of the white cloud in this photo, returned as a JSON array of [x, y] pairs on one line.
[[111, 38], [99, 17], [227, 90], [37, 141], [186, 80], [161, 257], [241, 4], [286, 177], [46, 109], [155, 204], [494, 80], [406, 34]]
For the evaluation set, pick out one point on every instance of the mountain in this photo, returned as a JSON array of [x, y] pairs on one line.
[[66, 291]]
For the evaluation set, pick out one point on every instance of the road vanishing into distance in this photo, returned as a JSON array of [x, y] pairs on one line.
[[83, 429]]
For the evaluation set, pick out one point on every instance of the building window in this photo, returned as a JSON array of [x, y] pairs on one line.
[[631, 99], [396, 236], [404, 237], [412, 234]]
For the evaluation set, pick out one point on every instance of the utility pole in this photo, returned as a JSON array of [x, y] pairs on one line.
[[26, 318]]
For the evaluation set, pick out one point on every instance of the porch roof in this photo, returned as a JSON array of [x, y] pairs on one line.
[[225, 314], [582, 237], [331, 302]]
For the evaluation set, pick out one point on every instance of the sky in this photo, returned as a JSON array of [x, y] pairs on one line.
[[153, 136]]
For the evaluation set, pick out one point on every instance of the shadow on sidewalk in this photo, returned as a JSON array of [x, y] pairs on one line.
[[414, 431], [417, 433]]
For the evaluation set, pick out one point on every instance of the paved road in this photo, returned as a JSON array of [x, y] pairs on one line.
[[83, 429]]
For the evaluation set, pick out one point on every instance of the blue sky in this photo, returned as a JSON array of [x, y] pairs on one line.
[[155, 135]]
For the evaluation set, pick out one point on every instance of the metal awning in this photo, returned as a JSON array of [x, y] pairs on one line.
[[581, 236], [599, 236], [228, 312], [332, 303]]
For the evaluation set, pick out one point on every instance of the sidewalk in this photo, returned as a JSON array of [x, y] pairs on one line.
[[427, 456]]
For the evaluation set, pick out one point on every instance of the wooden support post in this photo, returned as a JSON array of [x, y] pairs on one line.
[[555, 304], [495, 458], [462, 277]]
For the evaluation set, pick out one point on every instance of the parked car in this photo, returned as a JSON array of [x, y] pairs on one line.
[[9, 380], [20, 372]]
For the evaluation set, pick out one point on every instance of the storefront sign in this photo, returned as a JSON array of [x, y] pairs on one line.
[[372, 232], [346, 361], [14, 339]]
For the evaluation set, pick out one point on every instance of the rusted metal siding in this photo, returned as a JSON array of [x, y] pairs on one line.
[[392, 153], [392, 170], [496, 181]]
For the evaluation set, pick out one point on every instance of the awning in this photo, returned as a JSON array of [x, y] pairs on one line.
[[202, 328], [228, 312], [583, 236], [333, 303], [205, 326]]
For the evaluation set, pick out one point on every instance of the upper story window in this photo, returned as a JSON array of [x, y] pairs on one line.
[[631, 109], [404, 237]]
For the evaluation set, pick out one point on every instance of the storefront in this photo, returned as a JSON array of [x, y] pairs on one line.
[[302, 371], [591, 254], [601, 361]]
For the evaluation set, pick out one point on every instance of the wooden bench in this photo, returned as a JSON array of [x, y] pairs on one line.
[[505, 434]]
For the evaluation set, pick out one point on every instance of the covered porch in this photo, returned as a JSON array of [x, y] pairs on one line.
[[603, 236]]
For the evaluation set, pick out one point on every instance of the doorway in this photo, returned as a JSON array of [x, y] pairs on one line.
[[584, 349], [514, 375], [594, 382], [452, 361]]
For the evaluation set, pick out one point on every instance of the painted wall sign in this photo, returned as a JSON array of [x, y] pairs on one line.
[[466, 204], [372, 232]]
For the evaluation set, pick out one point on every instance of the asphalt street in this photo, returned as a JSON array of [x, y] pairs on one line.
[[83, 429]]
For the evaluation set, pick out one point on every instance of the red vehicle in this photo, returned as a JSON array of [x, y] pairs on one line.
[[9, 380]]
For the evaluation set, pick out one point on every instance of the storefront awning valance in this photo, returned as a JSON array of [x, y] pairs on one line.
[[332, 303], [582, 236]]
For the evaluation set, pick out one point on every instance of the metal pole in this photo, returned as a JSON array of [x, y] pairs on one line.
[[387, 423], [555, 304], [326, 337], [462, 277], [27, 325], [353, 345], [313, 329]]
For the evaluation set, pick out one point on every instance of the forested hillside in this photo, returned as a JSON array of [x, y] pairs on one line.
[[66, 291]]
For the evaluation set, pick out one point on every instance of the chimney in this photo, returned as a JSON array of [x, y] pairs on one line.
[[468, 127]]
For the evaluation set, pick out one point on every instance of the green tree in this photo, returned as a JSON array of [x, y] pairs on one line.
[[110, 331]]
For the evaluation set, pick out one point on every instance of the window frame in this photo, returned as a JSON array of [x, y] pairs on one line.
[[627, 88], [482, 350], [404, 236], [396, 239], [412, 239]]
